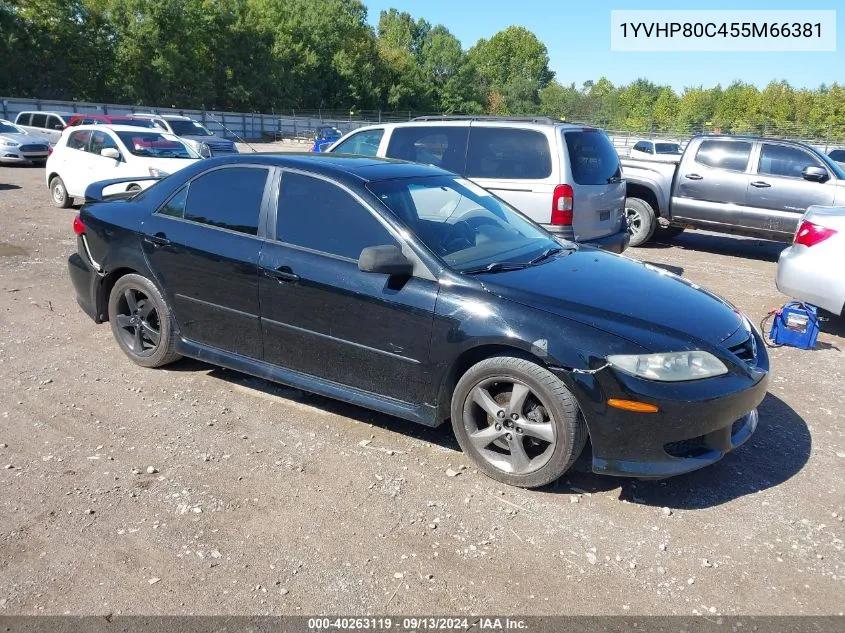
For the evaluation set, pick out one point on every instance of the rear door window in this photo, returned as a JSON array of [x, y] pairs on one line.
[[508, 154], [361, 144], [732, 155], [228, 198], [443, 146], [39, 120], [789, 162], [24, 118], [592, 157]]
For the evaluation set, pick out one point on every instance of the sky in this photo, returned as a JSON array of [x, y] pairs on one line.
[[577, 35]]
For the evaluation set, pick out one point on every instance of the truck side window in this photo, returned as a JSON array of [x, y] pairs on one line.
[[732, 155]]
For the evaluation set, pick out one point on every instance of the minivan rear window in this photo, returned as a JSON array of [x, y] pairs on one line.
[[508, 153], [592, 157]]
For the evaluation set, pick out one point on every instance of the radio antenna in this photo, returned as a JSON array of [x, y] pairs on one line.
[[221, 124]]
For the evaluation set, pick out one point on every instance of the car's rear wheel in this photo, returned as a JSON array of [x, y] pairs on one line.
[[641, 220], [141, 322], [518, 421], [58, 194]]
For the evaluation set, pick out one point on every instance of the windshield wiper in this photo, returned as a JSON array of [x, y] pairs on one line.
[[496, 267], [554, 250]]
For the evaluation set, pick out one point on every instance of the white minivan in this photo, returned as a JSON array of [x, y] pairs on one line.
[[45, 124], [565, 177]]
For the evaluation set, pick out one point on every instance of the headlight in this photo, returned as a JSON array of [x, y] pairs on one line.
[[670, 367], [9, 144], [158, 173], [204, 150]]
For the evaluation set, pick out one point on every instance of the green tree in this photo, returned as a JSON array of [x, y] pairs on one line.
[[665, 110]]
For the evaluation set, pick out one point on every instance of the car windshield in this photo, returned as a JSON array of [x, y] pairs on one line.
[[155, 145], [183, 127], [667, 148], [8, 128], [466, 226], [147, 123]]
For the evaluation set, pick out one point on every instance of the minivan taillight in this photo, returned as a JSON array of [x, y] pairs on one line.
[[810, 234], [562, 205], [78, 227]]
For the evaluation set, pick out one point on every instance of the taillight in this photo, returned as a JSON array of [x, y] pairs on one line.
[[49, 150], [78, 227], [562, 205], [810, 234]]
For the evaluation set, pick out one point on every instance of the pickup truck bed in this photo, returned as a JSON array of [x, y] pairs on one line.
[[730, 184]]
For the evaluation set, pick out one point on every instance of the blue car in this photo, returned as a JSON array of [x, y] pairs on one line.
[[324, 137]]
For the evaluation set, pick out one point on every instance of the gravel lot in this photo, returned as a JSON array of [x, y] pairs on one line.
[[200, 490]]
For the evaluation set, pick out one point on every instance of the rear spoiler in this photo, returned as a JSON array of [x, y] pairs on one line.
[[94, 191]]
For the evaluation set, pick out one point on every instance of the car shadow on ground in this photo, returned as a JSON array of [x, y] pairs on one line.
[[775, 453], [734, 246], [441, 436], [7, 187]]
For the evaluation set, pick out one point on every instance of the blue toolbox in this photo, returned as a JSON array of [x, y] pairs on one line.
[[795, 324]]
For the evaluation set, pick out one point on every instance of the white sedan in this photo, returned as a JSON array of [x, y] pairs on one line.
[[811, 269], [92, 153], [660, 151]]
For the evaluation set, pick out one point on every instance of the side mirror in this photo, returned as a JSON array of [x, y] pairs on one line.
[[58, 126], [387, 260], [110, 152], [815, 174]]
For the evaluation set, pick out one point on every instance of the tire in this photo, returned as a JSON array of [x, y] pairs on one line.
[[641, 221], [148, 323], [667, 232], [58, 194], [548, 409]]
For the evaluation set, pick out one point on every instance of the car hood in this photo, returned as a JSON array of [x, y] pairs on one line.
[[646, 305], [24, 139], [170, 165]]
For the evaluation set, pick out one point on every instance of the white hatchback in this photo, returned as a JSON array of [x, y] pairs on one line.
[[93, 153]]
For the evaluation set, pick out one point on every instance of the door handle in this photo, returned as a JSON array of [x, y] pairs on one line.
[[760, 184], [694, 177], [283, 273], [159, 239]]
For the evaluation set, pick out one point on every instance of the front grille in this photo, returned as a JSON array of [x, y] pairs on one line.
[[33, 148], [221, 148], [746, 350], [692, 447]]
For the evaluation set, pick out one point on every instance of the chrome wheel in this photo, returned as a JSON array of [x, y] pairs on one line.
[[509, 426]]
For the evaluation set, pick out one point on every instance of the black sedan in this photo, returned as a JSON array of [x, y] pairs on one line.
[[411, 291]]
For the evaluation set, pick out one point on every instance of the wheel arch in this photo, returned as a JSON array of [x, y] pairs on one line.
[[467, 359], [646, 194]]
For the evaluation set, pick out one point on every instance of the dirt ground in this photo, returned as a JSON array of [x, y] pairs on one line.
[[196, 490]]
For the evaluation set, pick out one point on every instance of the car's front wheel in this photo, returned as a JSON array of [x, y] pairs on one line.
[[58, 194], [141, 322], [518, 421]]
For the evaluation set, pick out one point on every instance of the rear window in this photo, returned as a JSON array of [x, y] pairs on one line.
[[592, 157], [508, 154], [24, 118], [731, 155]]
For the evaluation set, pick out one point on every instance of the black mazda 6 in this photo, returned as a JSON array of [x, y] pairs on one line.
[[409, 290]]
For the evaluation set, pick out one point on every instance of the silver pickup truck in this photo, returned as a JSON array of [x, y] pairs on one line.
[[730, 184]]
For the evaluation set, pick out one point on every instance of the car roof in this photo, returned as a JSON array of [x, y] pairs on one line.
[[535, 124], [58, 112], [345, 166], [120, 128], [153, 115]]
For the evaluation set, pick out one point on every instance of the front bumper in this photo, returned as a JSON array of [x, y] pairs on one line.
[[21, 158], [697, 424], [614, 243]]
